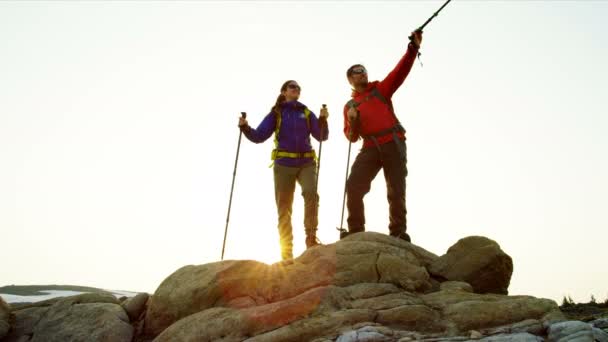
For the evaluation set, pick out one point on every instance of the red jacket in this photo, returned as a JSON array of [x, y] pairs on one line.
[[374, 115]]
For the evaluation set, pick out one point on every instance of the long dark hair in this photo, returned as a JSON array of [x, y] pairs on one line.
[[281, 98]]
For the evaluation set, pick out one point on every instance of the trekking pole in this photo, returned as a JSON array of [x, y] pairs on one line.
[[350, 142], [320, 146], [411, 37], [236, 160]]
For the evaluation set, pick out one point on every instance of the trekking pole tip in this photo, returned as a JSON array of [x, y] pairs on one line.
[[324, 105]]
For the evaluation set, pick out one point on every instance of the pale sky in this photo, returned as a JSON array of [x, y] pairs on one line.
[[118, 132]]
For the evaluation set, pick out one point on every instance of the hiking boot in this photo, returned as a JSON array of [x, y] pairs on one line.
[[403, 236], [311, 241], [343, 233]]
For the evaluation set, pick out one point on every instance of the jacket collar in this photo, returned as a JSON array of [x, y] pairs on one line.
[[292, 105], [370, 86]]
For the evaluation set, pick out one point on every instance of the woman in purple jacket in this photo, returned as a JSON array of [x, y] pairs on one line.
[[294, 159]]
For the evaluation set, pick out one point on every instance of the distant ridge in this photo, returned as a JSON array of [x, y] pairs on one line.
[[35, 290]]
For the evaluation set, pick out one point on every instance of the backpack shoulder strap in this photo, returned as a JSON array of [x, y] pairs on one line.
[[352, 103], [375, 92], [307, 115], [277, 128]]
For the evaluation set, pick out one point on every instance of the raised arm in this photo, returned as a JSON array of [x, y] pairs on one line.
[[395, 78]]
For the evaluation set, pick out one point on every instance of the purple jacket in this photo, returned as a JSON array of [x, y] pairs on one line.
[[294, 134]]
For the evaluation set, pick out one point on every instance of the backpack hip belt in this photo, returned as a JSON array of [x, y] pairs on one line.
[[394, 130], [286, 154]]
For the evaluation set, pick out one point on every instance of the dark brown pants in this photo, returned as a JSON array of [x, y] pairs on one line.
[[392, 159]]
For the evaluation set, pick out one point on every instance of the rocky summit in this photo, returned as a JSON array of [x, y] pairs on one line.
[[366, 287]]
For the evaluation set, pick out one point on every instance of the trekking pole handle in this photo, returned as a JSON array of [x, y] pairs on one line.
[[411, 36], [324, 107], [244, 115]]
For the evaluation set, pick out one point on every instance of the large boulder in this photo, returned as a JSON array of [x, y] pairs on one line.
[[136, 305], [465, 311], [360, 258], [571, 331], [366, 287], [4, 318], [238, 284], [340, 309], [25, 323], [338, 291], [85, 317], [478, 261]]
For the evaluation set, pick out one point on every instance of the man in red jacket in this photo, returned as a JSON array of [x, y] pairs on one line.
[[369, 115]]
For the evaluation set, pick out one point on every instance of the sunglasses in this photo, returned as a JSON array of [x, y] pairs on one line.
[[293, 86], [357, 71]]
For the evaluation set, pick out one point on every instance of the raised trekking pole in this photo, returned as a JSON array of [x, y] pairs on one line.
[[236, 160], [343, 230], [411, 37]]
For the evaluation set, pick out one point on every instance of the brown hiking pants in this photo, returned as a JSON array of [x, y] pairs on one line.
[[285, 178], [392, 158]]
